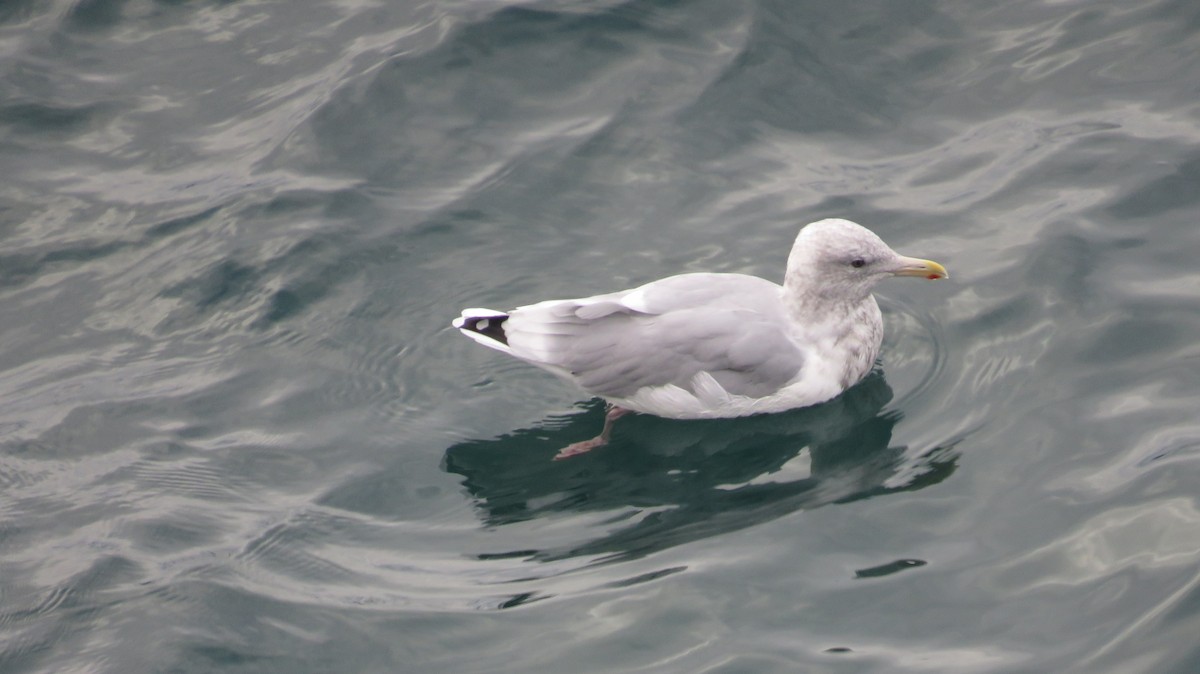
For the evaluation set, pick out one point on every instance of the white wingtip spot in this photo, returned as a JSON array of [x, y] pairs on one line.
[[477, 312], [480, 312]]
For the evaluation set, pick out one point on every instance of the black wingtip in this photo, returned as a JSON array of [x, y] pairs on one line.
[[491, 327]]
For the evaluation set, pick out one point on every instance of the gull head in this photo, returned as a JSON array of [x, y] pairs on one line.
[[836, 259]]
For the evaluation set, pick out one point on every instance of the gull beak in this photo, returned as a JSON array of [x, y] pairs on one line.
[[911, 266]]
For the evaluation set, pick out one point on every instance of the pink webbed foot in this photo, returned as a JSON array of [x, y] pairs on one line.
[[577, 448]]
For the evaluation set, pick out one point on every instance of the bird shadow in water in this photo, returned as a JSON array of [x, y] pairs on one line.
[[696, 478]]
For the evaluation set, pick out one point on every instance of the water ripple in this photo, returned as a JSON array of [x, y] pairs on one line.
[[237, 432]]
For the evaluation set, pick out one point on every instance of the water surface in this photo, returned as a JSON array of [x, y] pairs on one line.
[[237, 433]]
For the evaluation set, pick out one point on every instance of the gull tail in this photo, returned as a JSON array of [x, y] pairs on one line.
[[485, 326]]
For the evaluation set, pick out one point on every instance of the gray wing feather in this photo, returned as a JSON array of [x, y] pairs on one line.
[[731, 326]]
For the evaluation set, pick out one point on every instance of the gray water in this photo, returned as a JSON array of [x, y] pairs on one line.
[[237, 433]]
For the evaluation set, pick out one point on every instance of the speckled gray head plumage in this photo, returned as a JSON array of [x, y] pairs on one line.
[[839, 260]]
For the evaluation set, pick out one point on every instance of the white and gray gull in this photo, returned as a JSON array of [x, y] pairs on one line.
[[701, 345]]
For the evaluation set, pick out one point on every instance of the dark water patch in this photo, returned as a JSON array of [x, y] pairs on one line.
[[16, 11], [810, 65], [19, 269], [1064, 264], [646, 577], [52, 119], [89, 15], [889, 568], [224, 281], [276, 290], [81, 252], [326, 266], [392, 111], [255, 638], [1174, 191], [290, 206], [1130, 338], [219, 655], [523, 599], [289, 301], [510, 554], [1177, 449], [692, 480], [949, 169], [173, 226]]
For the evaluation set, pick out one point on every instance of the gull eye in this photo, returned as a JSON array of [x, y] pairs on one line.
[[857, 262]]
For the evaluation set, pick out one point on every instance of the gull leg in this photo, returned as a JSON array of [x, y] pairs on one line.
[[610, 416]]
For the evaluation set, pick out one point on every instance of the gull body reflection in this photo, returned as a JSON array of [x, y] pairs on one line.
[[678, 481]]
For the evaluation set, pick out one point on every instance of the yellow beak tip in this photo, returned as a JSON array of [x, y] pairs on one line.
[[924, 268]]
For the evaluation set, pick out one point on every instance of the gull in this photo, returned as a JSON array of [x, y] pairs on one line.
[[711, 345]]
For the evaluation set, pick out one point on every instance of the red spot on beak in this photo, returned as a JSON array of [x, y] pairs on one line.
[[933, 277]]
